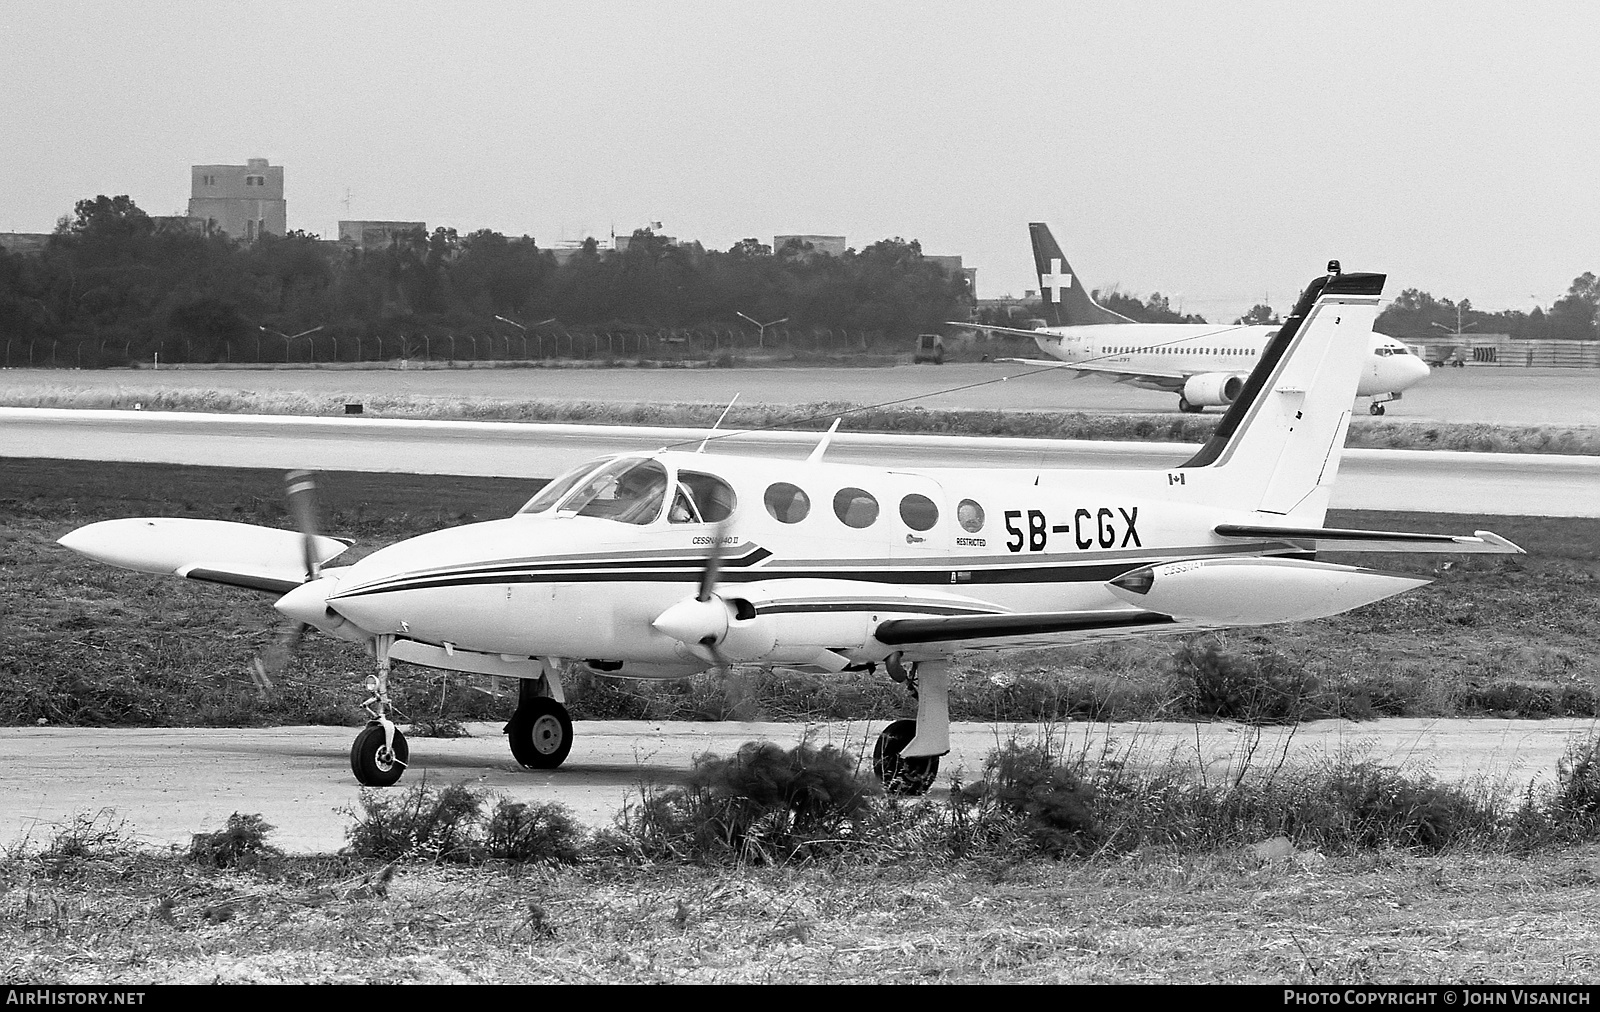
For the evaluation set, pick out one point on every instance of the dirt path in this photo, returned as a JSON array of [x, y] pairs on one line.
[[169, 783]]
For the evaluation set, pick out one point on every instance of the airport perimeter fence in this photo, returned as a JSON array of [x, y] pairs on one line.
[[1504, 351], [534, 345]]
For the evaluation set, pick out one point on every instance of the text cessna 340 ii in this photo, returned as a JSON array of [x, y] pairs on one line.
[[659, 565]]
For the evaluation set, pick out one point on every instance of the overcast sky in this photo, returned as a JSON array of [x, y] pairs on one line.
[[1217, 153]]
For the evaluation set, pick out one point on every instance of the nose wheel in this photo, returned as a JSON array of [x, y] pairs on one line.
[[1376, 408], [378, 755]]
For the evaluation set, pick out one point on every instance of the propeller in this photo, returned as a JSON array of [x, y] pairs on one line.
[[702, 623], [300, 491]]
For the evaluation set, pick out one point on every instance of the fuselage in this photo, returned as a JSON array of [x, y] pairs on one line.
[[575, 575], [1181, 350]]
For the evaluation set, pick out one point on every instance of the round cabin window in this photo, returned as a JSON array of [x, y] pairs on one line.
[[970, 516], [787, 503], [855, 507], [919, 512]]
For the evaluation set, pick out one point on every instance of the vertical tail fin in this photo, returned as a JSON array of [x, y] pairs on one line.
[[1281, 440], [1067, 302]]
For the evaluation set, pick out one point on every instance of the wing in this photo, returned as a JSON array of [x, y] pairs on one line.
[[1325, 539], [217, 551], [993, 330], [1019, 630], [1169, 382]]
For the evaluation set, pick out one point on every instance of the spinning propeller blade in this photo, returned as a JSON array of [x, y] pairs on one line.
[[708, 575], [300, 488], [300, 491]]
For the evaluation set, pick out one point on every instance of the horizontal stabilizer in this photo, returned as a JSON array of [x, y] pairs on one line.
[[217, 551], [992, 330], [1324, 539]]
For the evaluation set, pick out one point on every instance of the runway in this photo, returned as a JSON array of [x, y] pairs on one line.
[[1409, 480], [167, 784], [1490, 396]]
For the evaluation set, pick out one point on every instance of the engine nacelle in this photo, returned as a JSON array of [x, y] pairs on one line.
[[1212, 389], [1255, 591]]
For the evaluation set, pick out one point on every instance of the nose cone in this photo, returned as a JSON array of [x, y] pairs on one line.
[[308, 602], [1413, 370]]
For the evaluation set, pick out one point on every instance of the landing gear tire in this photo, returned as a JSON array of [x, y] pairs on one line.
[[1187, 408], [374, 763], [900, 774], [1375, 409], [540, 733]]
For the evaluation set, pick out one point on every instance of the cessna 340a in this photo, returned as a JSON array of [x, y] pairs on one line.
[[659, 565]]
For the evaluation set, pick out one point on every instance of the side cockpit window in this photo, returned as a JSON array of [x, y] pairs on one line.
[[707, 498]]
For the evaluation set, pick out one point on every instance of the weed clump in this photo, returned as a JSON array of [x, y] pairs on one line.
[[1030, 797], [419, 823], [765, 804], [1252, 689], [240, 844], [522, 833], [448, 824]]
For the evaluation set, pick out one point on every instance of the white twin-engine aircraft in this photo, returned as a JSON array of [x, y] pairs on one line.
[[1205, 364], [658, 565]]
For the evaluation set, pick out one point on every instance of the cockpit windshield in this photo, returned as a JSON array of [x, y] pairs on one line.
[[628, 490], [560, 486]]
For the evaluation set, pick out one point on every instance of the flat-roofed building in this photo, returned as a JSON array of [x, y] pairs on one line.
[[241, 201], [833, 245], [952, 266], [377, 234]]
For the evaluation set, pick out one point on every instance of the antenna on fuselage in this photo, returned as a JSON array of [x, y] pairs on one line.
[[822, 447], [720, 417]]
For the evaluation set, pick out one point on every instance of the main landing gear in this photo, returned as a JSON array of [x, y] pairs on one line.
[[540, 731], [1187, 408], [908, 762]]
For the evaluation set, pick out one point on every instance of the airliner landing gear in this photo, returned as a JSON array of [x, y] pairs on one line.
[[1376, 407], [540, 731], [1187, 408], [379, 753], [926, 738]]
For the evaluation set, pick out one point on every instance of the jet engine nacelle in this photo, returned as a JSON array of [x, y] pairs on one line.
[[1255, 591], [1212, 389]]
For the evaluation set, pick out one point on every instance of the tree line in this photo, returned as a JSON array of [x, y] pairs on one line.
[[116, 285]]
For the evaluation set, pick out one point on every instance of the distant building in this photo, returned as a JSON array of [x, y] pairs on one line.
[[833, 245], [24, 243], [377, 234], [241, 201], [952, 266]]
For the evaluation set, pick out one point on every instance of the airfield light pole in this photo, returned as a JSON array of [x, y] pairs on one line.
[[761, 337]]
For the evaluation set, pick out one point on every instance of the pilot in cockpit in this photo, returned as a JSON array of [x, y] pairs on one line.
[[684, 510]]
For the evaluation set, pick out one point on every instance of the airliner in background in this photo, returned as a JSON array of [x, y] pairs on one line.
[[1205, 364]]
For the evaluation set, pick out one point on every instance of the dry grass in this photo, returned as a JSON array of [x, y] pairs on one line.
[[1385, 917]]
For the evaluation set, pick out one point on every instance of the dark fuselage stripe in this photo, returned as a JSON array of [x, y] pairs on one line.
[[943, 577]]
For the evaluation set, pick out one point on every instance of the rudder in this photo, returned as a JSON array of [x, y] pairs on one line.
[[1281, 440], [1066, 302]]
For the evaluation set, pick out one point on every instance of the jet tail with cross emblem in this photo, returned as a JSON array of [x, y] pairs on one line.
[[1067, 302]]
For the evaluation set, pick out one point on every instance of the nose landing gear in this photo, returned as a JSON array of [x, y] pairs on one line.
[[379, 753]]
